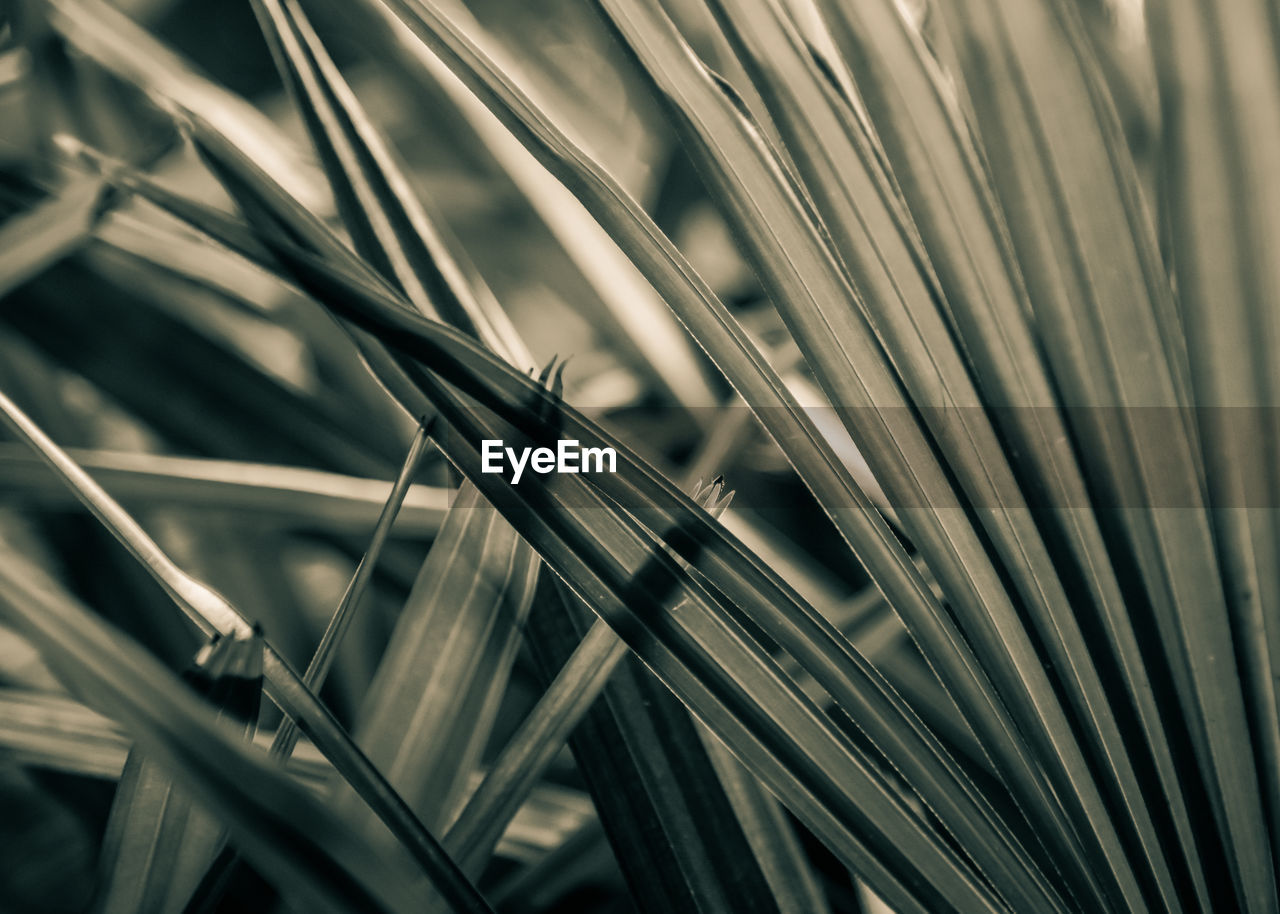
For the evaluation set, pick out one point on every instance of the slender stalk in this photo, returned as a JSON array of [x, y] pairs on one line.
[[340, 622]]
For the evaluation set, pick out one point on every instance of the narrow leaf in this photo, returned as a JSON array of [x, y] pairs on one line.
[[157, 841], [278, 494], [291, 835], [1219, 88], [212, 613]]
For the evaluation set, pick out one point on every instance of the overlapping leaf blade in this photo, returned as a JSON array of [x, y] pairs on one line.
[[674, 828], [209, 611], [428, 713], [278, 494], [857, 518], [794, 629], [289, 834], [157, 841], [948, 194], [1219, 87], [534, 526], [1067, 185], [389, 224], [834, 322], [662, 806]]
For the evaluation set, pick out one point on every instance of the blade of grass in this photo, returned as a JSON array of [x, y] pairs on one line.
[[626, 300], [282, 494], [788, 424], [322, 660], [544, 731], [56, 731], [769, 833], [1067, 185], [674, 834], [841, 334], [212, 613], [952, 204], [390, 225], [157, 841], [534, 746], [420, 722], [223, 870], [248, 415], [291, 835], [326, 279], [678, 793], [764, 826], [1219, 87]]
